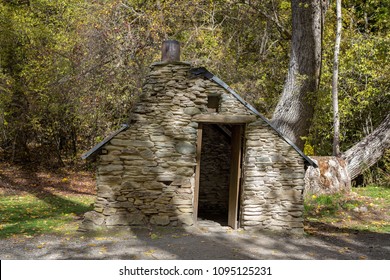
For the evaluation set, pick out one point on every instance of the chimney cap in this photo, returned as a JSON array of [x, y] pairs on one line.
[[170, 51]]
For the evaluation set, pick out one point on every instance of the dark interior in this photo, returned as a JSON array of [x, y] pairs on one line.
[[214, 173]]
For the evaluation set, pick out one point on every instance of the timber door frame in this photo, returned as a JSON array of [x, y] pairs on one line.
[[235, 175], [235, 170]]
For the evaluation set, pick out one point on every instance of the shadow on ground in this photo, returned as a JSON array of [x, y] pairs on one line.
[[29, 179], [200, 243], [322, 241]]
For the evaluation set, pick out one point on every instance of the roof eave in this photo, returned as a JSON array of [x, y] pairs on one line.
[[101, 144]]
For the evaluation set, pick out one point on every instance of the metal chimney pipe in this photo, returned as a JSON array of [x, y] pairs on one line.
[[170, 51]]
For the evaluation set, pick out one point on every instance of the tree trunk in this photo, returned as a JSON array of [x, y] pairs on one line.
[[335, 93], [295, 108], [18, 120], [331, 176], [369, 150]]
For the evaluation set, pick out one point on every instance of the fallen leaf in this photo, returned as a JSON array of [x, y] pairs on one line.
[[154, 236], [103, 250], [100, 238], [343, 250], [150, 252]]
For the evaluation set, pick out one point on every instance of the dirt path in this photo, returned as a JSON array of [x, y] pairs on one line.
[[198, 243]]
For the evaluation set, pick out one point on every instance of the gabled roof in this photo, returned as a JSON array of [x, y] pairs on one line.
[[205, 73]]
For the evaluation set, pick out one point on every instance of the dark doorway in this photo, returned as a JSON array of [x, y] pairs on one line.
[[214, 173], [219, 173]]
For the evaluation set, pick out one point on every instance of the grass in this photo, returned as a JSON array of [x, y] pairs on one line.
[[366, 209], [29, 215]]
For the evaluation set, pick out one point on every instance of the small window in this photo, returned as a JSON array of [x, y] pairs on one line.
[[213, 103]]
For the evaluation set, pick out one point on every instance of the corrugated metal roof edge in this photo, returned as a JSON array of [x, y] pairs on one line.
[[204, 72], [100, 145]]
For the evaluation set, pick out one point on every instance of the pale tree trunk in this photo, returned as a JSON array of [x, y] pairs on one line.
[[295, 108], [369, 150], [335, 93], [334, 174]]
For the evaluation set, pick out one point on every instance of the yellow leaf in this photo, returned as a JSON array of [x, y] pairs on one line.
[[154, 236], [150, 252], [100, 238], [102, 250], [343, 250]]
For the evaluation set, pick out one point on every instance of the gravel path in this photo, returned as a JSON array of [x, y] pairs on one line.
[[212, 242]]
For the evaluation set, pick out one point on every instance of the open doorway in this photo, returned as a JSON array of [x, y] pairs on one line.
[[214, 173], [219, 173]]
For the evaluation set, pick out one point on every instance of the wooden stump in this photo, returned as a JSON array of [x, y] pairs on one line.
[[331, 176]]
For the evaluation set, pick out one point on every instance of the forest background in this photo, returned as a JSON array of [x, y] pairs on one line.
[[70, 70]]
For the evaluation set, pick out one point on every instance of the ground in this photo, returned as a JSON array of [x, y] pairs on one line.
[[206, 241], [198, 243]]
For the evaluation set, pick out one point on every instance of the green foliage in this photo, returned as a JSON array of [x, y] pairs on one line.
[[381, 194], [363, 81], [29, 215], [70, 71], [323, 205], [344, 210], [38, 50], [363, 78]]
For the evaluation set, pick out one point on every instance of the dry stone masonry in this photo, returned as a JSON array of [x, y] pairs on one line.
[[147, 174], [272, 181]]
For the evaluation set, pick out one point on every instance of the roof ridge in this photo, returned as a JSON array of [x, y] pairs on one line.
[[202, 71]]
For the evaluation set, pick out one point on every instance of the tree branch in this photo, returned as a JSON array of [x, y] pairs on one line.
[[368, 151]]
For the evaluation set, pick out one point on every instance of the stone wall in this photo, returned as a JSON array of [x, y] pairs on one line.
[[272, 183], [146, 174], [229, 105]]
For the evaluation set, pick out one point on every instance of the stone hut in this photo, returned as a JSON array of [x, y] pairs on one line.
[[194, 149]]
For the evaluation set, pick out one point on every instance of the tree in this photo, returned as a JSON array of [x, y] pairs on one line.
[[11, 67], [335, 95], [70, 70], [294, 111], [37, 42], [369, 150], [362, 86]]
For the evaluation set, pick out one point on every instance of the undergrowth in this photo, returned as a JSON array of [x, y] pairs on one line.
[[366, 208]]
